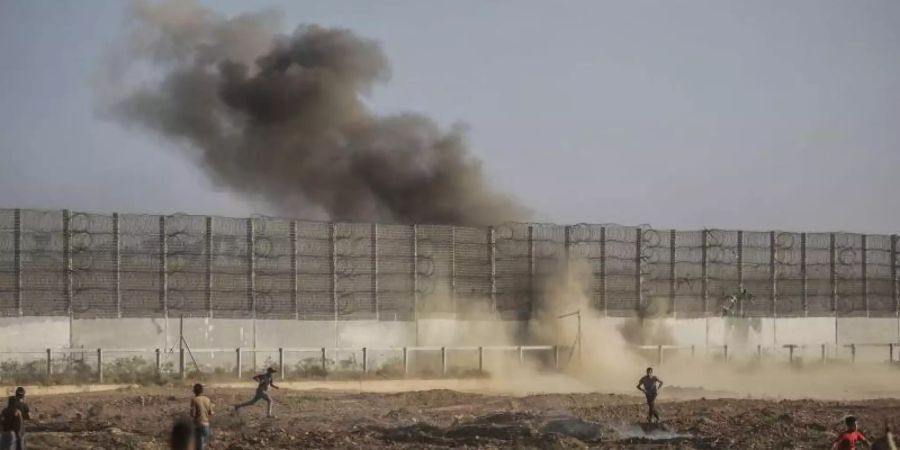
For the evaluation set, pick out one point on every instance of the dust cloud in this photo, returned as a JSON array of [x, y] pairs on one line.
[[609, 359], [283, 119]]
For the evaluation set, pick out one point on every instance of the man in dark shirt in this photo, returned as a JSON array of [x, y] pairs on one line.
[[265, 380], [26, 415], [650, 385]]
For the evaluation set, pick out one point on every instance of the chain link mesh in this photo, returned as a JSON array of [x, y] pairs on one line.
[[132, 265]]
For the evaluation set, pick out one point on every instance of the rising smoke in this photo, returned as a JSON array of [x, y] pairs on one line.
[[281, 119]]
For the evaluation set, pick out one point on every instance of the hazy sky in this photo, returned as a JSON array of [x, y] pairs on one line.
[[684, 114]]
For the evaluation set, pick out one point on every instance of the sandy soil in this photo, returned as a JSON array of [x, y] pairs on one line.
[[138, 418]]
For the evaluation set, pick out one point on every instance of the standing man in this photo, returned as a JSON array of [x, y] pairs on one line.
[[26, 415], [201, 411], [265, 380], [650, 386]]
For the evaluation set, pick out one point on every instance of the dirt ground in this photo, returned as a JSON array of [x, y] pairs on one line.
[[138, 418]]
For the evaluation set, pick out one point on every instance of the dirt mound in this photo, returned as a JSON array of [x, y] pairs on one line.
[[500, 429]]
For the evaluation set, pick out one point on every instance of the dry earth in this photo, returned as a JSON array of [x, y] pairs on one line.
[[138, 418]]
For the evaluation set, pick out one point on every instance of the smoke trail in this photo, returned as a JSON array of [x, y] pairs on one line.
[[280, 118]]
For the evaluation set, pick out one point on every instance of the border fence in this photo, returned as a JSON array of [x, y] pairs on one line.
[[83, 265]]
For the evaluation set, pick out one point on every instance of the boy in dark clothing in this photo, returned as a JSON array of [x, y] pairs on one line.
[[848, 439], [650, 386], [10, 425], [26, 415], [264, 380]]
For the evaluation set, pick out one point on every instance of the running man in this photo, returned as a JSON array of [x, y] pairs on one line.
[[848, 439], [201, 411], [262, 391], [26, 415], [650, 386]]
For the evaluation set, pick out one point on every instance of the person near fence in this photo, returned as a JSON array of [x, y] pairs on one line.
[[201, 411], [26, 415], [650, 385], [10, 424], [183, 436], [263, 380]]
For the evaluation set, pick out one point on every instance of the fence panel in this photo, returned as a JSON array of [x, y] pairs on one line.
[[8, 304], [789, 275], [273, 255], [395, 272], [94, 267], [880, 285], [689, 273], [132, 265], [848, 270], [140, 266], [514, 253]]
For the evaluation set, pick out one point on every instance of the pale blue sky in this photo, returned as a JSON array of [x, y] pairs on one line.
[[685, 114]]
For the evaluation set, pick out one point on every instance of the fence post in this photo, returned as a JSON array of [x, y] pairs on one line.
[[603, 300], [773, 278], [832, 278], [521, 355], [158, 363], [865, 275], [704, 272], [163, 266], [251, 270], [17, 259], [673, 307], [804, 281], [725, 351], [759, 351], [332, 249], [693, 352], [117, 263], [532, 296], [704, 289], [638, 285], [239, 363], [374, 262], [890, 353], [480, 359], [791, 353], [443, 361], [365, 360], [567, 245], [67, 260], [492, 255], [295, 284], [49, 365], [740, 261], [895, 285], [281, 367], [853, 353], [405, 361], [100, 365], [414, 275], [824, 356], [324, 361], [659, 355], [453, 269], [208, 247]]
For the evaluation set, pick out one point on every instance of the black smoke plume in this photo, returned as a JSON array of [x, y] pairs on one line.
[[281, 119]]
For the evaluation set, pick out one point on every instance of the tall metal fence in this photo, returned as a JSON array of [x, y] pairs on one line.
[[58, 263]]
